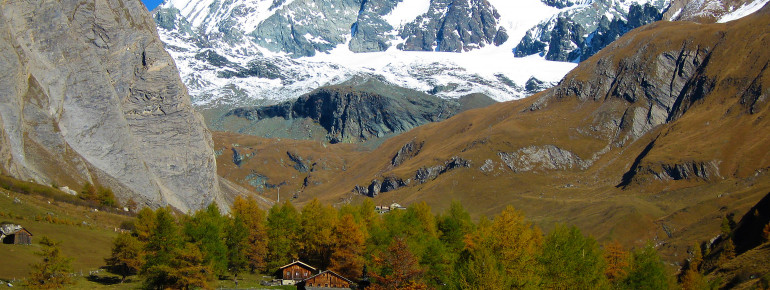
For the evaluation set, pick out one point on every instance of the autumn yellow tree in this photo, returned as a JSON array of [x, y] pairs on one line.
[[283, 234], [316, 224], [426, 217], [617, 261], [399, 268], [126, 258], [144, 224], [347, 253], [53, 271], [189, 270], [253, 218], [516, 242], [691, 278]]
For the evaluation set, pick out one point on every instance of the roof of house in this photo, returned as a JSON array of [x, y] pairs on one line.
[[297, 262], [333, 273], [10, 229]]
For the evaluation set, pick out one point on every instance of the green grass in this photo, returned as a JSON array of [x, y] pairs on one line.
[[109, 281], [86, 236]]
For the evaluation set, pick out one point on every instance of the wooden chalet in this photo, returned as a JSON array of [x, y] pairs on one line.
[[295, 272], [15, 234], [326, 280]]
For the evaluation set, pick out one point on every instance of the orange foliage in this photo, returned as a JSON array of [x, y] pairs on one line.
[[617, 261], [402, 268]]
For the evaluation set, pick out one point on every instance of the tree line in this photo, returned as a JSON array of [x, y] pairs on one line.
[[411, 248]]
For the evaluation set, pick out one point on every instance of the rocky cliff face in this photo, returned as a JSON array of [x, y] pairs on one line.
[[582, 29], [89, 95], [351, 113], [454, 25]]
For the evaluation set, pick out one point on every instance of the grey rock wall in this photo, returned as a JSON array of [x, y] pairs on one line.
[[89, 95], [454, 25], [577, 34]]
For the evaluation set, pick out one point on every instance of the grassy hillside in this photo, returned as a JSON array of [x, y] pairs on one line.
[[85, 235]]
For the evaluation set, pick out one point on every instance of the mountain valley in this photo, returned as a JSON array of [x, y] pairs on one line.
[[639, 122], [657, 136]]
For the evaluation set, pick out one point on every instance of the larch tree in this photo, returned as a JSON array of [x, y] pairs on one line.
[[454, 225], [646, 270], [161, 248], [316, 224], [479, 269], [206, 229], [189, 270], [53, 271], [691, 278], [398, 267], [348, 249], [144, 224], [516, 242], [254, 219], [617, 261], [426, 218], [237, 242], [126, 257], [283, 232], [571, 260]]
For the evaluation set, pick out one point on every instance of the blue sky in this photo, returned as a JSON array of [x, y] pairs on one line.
[[151, 4]]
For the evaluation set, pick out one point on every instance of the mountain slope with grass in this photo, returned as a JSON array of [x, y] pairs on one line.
[[85, 231], [664, 122]]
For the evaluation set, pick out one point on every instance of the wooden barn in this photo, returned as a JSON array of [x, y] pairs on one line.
[[295, 272], [326, 280], [15, 234]]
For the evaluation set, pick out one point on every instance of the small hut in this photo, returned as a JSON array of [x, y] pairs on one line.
[[294, 272], [15, 234], [326, 280]]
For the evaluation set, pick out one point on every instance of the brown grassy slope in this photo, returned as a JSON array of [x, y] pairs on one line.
[[719, 116], [266, 163]]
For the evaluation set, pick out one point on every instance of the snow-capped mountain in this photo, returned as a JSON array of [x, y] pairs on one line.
[[253, 52]]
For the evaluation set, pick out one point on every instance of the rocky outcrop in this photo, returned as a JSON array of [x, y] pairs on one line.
[[353, 116], [535, 85], [454, 25], [352, 113], [578, 33], [320, 27], [426, 174], [370, 32], [658, 89], [300, 164], [610, 30], [422, 175], [685, 170], [546, 157], [90, 95], [406, 152]]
